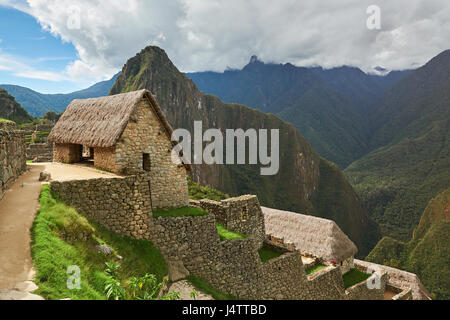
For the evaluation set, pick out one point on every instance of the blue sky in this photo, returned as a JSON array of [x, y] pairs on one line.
[[211, 35], [31, 51]]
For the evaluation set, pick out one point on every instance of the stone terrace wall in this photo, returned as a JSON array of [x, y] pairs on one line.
[[40, 152], [242, 214], [361, 290], [191, 245], [12, 155], [326, 284], [121, 205], [284, 278]]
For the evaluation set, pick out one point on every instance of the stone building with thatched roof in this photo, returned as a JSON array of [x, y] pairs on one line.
[[125, 134], [312, 236]]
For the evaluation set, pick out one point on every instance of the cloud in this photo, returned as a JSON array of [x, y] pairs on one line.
[[212, 35], [21, 69]]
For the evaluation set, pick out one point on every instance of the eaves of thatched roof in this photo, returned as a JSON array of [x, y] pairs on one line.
[[100, 122], [310, 235]]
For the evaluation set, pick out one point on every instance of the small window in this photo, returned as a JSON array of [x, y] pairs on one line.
[[146, 162]]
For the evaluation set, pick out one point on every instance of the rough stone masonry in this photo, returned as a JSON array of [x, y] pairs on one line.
[[12, 155]]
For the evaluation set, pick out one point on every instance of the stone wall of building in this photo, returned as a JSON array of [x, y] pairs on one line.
[[12, 155], [121, 205], [67, 153], [40, 152], [145, 134], [105, 158], [371, 289], [326, 284]]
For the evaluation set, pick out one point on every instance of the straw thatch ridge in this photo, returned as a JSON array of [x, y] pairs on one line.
[[400, 279], [319, 237], [100, 122]]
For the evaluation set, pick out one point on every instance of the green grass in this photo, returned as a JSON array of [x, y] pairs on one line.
[[225, 234], [61, 238], [204, 287], [267, 253], [314, 269], [199, 192], [29, 161], [5, 120], [353, 277], [179, 212]]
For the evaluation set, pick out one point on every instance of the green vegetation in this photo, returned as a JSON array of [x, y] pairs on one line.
[[146, 287], [267, 253], [333, 185], [62, 238], [5, 120], [354, 276], [203, 286], [427, 253], [411, 143], [179, 212], [199, 192], [225, 234], [10, 109], [314, 269]]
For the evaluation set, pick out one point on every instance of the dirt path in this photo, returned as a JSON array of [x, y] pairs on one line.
[[17, 212]]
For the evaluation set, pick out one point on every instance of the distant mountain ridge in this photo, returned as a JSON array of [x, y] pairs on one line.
[[410, 163], [328, 106], [37, 104]]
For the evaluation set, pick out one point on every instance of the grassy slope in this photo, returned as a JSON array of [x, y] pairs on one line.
[[428, 253], [62, 238]]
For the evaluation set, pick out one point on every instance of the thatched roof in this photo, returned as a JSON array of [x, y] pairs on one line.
[[401, 279], [310, 235], [100, 122]]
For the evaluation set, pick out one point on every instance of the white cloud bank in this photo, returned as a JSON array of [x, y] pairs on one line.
[[203, 35]]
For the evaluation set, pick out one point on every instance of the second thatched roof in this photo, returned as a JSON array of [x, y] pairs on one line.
[[310, 235]]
